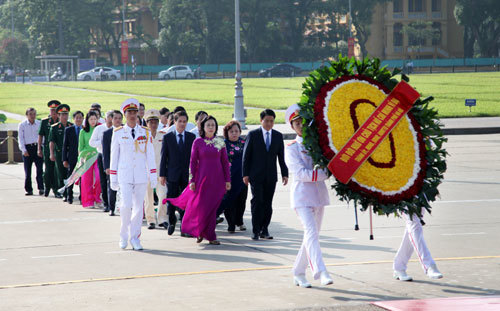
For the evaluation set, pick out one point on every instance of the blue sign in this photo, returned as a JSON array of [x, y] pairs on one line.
[[86, 64], [470, 102]]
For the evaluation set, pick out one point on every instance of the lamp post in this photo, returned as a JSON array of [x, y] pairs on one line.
[[239, 110]]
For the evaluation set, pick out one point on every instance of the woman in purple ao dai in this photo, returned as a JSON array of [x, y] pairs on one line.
[[209, 180]]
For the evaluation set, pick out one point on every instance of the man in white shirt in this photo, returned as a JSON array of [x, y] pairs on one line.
[[96, 142], [164, 113], [152, 117], [189, 126], [198, 117], [28, 144]]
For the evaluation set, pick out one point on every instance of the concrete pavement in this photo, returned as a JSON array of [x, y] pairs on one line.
[[56, 256]]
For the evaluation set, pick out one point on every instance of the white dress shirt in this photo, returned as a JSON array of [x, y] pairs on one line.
[[161, 126], [28, 133], [196, 132], [96, 138], [189, 127], [183, 136], [270, 135]]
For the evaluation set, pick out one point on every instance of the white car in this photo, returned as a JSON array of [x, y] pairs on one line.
[[94, 75], [176, 72]]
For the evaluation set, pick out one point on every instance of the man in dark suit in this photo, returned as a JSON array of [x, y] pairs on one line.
[[174, 165], [70, 148], [262, 147], [106, 155]]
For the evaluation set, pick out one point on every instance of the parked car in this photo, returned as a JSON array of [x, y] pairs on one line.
[[93, 74], [176, 72], [280, 70]]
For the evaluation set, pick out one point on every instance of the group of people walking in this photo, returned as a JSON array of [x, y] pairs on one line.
[[173, 172]]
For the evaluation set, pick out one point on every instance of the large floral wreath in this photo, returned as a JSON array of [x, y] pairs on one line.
[[403, 174]]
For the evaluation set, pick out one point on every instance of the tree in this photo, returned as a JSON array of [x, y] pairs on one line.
[[14, 52], [419, 32], [362, 12], [481, 20]]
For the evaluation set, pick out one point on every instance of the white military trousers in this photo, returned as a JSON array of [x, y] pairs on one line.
[[310, 251], [161, 192], [413, 239], [131, 210]]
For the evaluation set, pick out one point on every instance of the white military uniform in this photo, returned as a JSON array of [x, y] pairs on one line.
[[308, 196], [413, 239], [161, 191], [132, 167]]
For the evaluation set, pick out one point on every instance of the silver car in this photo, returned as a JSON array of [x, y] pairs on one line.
[[176, 72]]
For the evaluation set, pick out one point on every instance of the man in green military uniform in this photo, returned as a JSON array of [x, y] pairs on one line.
[[43, 141], [56, 138]]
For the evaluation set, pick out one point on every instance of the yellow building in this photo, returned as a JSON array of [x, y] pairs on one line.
[[387, 40]]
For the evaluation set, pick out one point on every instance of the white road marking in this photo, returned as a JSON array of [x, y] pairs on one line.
[[1, 259], [119, 252], [463, 233], [56, 256], [16, 222]]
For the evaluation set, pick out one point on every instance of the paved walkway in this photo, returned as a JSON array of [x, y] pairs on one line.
[[55, 256]]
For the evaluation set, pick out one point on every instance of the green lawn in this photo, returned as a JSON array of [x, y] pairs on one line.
[[17, 97], [450, 91]]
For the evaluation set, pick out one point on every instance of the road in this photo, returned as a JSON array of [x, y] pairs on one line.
[[55, 256]]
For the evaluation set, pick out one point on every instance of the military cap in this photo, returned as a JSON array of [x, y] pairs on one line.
[[63, 108], [130, 104], [53, 103], [152, 114]]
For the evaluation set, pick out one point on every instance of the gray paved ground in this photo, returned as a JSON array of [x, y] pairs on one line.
[[55, 256]]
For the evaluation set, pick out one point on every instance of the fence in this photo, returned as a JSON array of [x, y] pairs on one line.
[[308, 66]]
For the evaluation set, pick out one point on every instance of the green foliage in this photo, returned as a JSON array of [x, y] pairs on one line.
[[426, 116], [419, 32], [14, 52], [481, 20], [3, 118]]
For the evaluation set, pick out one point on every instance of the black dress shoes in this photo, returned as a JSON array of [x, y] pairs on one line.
[[220, 219], [29, 193], [70, 200], [164, 225], [151, 226], [255, 237], [106, 209], [186, 235], [266, 236], [41, 192], [112, 213], [46, 193], [171, 229], [57, 195], [65, 199]]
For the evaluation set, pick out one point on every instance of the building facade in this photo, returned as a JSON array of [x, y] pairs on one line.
[[387, 40]]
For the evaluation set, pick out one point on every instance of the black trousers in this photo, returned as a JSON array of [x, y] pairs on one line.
[[174, 189], [111, 194], [235, 208], [28, 164], [49, 175], [103, 178], [262, 205]]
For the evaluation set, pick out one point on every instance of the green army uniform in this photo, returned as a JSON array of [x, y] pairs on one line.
[[44, 131], [57, 136]]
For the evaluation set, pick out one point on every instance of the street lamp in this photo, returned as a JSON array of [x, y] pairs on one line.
[[239, 110]]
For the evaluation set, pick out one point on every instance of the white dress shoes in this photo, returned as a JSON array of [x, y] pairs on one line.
[[434, 273], [325, 278], [300, 280], [123, 244], [136, 245], [402, 276]]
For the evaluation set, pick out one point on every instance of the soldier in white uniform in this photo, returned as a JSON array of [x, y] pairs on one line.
[[132, 167], [152, 117], [413, 239], [308, 196]]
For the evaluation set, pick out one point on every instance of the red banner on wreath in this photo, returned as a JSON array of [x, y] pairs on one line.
[[373, 131], [124, 52], [350, 47]]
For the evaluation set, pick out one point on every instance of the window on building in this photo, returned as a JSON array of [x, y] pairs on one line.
[[436, 26], [416, 6], [398, 34], [436, 5], [397, 6]]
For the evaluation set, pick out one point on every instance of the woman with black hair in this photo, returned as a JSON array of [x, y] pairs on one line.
[[209, 180], [90, 182]]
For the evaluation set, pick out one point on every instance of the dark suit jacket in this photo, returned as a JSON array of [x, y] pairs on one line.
[[106, 146], [258, 163], [175, 162], [70, 146]]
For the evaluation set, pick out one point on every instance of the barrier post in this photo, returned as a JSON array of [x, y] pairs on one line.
[[10, 147]]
